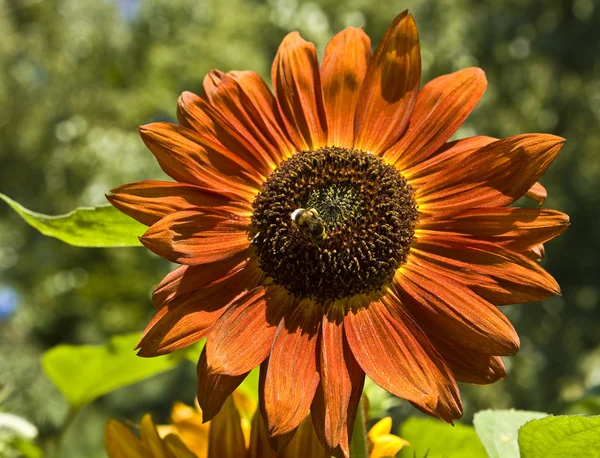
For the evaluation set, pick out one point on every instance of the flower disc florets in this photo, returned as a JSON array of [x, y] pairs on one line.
[[366, 210]]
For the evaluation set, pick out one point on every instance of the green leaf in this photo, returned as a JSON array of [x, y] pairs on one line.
[[102, 226], [435, 439], [575, 436], [85, 372], [498, 430]]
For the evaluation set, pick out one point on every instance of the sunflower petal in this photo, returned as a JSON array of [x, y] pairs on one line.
[[342, 382], [229, 123], [538, 193], [496, 175], [148, 201], [443, 158], [343, 71], [265, 112], [198, 236], [443, 305], [188, 318], [409, 367], [499, 275], [390, 88], [214, 389], [442, 106], [242, 337], [305, 443], [297, 86], [193, 158], [292, 376], [511, 227], [188, 279]]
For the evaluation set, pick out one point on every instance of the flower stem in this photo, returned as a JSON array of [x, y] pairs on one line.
[[358, 446]]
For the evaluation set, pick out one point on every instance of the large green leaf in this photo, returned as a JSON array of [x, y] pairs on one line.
[[85, 372], [102, 226], [574, 436], [498, 430], [435, 439]]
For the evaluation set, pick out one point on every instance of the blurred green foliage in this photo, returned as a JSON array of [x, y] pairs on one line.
[[78, 77]]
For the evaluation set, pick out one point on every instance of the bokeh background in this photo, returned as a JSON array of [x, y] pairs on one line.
[[78, 77]]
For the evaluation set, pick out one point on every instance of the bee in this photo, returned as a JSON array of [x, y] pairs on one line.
[[310, 223]]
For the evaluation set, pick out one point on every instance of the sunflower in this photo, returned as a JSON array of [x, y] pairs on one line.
[[331, 230], [229, 435]]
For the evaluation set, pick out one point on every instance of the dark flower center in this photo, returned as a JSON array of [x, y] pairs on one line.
[[332, 223]]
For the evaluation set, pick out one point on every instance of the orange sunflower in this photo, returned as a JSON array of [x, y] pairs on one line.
[[331, 230]]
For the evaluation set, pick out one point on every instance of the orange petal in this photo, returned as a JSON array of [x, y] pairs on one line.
[[395, 354], [443, 305], [538, 193], [342, 382], [297, 86], [536, 253], [189, 279], [188, 318], [226, 437], [148, 201], [198, 236], [265, 110], [242, 337], [292, 376], [223, 120], [390, 88], [248, 106], [194, 158], [511, 227], [470, 366], [343, 71], [214, 389], [496, 175], [442, 106], [443, 158], [211, 82], [499, 275]]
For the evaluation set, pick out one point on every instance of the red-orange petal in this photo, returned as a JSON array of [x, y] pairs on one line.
[[297, 86], [342, 380], [292, 376], [214, 389], [499, 275], [536, 253], [227, 120], [190, 279], [494, 176], [443, 305], [197, 158], [442, 106], [305, 443], [390, 88], [148, 201], [259, 440], [343, 70], [188, 318], [511, 227], [443, 158], [468, 365], [211, 82], [198, 236], [265, 110], [395, 354], [538, 193], [242, 337]]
